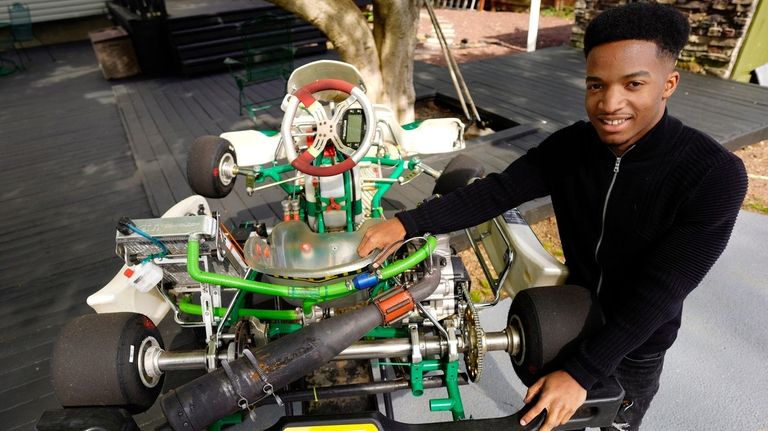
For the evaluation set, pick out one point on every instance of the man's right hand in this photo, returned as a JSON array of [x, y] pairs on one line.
[[381, 236]]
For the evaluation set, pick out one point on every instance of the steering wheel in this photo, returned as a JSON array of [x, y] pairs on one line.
[[328, 129]]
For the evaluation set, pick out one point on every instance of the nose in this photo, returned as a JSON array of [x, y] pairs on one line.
[[612, 99]]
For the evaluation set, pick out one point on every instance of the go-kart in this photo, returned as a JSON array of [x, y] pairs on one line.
[[273, 304]]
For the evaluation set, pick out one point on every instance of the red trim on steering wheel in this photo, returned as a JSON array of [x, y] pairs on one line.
[[305, 93], [304, 161], [304, 164]]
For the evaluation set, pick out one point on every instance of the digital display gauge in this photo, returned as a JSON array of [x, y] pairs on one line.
[[352, 128]]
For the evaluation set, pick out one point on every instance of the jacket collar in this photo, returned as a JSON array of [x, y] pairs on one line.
[[658, 141]]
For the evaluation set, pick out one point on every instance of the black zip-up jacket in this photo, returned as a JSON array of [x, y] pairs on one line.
[[640, 230]]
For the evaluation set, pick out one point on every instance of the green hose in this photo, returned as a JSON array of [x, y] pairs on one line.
[[409, 262], [186, 307], [311, 294], [316, 293]]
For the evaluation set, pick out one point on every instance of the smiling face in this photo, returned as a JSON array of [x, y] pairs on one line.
[[628, 84]]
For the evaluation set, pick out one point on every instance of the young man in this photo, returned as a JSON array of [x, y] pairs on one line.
[[644, 204]]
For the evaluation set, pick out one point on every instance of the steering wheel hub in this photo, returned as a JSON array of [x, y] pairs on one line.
[[325, 128]]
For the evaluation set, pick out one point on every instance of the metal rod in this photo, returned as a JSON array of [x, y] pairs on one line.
[[388, 409], [381, 180], [428, 315], [453, 66], [266, 186], [391, 348], [365, 349], [191, 360], [446, 53], [506, 340]]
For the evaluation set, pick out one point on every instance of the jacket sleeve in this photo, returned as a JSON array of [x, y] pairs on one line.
[[521, 181], [654, 294]]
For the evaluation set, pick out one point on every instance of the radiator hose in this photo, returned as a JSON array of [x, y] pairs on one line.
[[253, 377]]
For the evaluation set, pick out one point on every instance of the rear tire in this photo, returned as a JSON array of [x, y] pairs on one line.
[[550, 321], [458, 173], [98, 361], [206, 166]]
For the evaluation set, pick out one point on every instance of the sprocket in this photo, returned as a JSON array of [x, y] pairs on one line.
[[474, 342]]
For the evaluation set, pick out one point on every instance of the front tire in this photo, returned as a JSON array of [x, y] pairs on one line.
[[550, 322], [98, 361], [209, 164], [458, 173]]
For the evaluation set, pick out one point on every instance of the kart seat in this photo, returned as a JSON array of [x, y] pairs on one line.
[[432, 136]]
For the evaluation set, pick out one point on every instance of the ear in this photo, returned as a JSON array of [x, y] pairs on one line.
[[670, 84]]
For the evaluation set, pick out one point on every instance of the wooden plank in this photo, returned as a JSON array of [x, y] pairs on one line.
[[58, 230], [173, 169], [158, 192]]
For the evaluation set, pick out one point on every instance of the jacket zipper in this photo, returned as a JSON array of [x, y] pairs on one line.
[[605, 211]]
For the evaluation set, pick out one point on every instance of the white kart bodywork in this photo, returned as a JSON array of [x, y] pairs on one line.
[[119, 296], [531, 266], [432, 136]]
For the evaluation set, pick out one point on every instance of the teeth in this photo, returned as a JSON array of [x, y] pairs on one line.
[[614, 122]]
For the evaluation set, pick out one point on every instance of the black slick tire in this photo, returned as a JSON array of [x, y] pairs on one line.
[[204, 162], [458, 173], [550, 322], [96, 361]]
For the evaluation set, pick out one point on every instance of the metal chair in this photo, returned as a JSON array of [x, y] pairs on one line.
[[267, 56], [21, 30], [7, 65]]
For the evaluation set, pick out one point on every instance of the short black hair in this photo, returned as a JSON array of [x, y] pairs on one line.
[[658, 23]]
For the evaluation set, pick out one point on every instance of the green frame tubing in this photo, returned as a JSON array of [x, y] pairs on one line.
[[450, 369], [383, 188], [185, 306], [260, 175], [310, 294], [453, 403]]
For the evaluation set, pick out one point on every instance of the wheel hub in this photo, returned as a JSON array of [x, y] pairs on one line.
[[226, 169]]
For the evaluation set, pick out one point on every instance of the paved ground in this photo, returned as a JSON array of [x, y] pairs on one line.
[[714, 376]]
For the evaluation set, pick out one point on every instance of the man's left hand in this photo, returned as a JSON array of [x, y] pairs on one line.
[[559, 394]]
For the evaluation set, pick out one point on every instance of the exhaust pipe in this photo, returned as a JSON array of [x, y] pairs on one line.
[[254, 377]]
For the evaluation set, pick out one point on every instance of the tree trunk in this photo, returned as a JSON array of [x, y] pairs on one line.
[[384, 57], [395, 24]]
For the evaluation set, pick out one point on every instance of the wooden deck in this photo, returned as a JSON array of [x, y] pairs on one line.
[[79, 152], [67, 175], [541, 90]]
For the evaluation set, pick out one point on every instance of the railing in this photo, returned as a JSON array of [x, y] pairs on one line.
[[453, 4], [146, 9]]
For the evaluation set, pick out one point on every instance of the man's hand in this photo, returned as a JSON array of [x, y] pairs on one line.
[[381, 236], [560, 394]]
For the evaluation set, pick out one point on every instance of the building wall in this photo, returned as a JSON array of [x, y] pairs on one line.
[[754, 51], [718, 29], [51, 10]]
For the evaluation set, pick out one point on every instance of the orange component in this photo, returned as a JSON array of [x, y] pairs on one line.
[[329, 151], [310, 138], [266, 251], [232, 240], [394, 304], [333, 205]]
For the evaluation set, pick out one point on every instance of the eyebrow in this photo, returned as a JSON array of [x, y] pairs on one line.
[[632, 75]]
